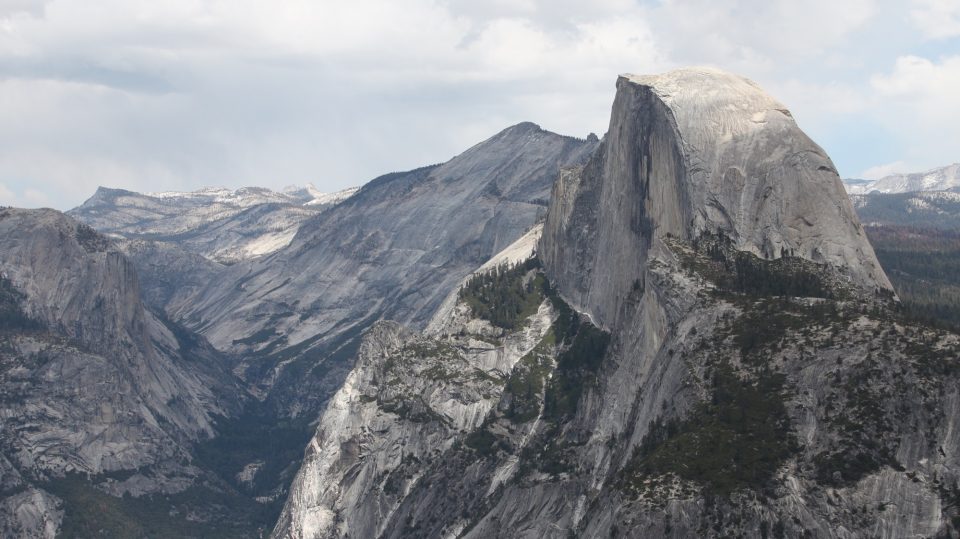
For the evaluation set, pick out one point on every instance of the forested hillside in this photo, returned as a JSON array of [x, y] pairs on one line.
[[924, 266]]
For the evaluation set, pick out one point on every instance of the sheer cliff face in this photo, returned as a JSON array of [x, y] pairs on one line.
[[691, 152]]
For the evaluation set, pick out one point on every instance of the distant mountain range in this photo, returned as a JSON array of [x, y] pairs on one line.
[[913, 223], [224, 225], [938, 179], [927, 209]]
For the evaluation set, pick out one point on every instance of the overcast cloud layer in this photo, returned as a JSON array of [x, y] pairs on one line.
[[180, 94]]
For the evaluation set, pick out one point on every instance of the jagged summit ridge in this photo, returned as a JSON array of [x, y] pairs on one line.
[[690, 152]]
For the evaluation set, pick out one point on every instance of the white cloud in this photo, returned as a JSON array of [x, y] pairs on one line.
[[881, 171], [915, 79], [917, 100], [6, 196], [924, 93], [28, 198], [10, 8], [826, 98], [134, 93], [182, 93], [936, 19], [755, 35]]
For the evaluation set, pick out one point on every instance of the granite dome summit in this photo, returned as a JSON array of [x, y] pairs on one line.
[[691, 152]]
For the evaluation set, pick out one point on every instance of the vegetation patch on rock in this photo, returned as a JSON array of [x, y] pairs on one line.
[[507, 295], [12, 315], [736, 439]]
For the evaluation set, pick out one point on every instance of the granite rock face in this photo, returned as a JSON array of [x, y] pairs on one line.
[[291, 321], [692, 152], [719, 354], [169, 274], [394, 250], [409, 398], [92, 382]]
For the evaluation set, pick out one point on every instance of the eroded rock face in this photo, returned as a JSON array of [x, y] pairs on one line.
[[409, 398], [91, 381], [30, 513]]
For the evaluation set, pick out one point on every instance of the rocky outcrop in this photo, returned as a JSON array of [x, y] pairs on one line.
[[91, 381], [30, 513], [724, 357], [409, 398]]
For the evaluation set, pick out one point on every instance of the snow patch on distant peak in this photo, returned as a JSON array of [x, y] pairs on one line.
[[307, 195], [202, 192], [242, 197], [937, 179], [330, 198]]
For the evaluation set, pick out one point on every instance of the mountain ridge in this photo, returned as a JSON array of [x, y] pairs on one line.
[[936, 179], [221, 224], [680, 330]]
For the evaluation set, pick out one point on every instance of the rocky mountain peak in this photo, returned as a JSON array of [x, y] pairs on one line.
[[692, 152], [522, 127]]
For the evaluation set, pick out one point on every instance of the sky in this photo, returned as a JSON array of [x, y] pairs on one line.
[[154, 95]]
